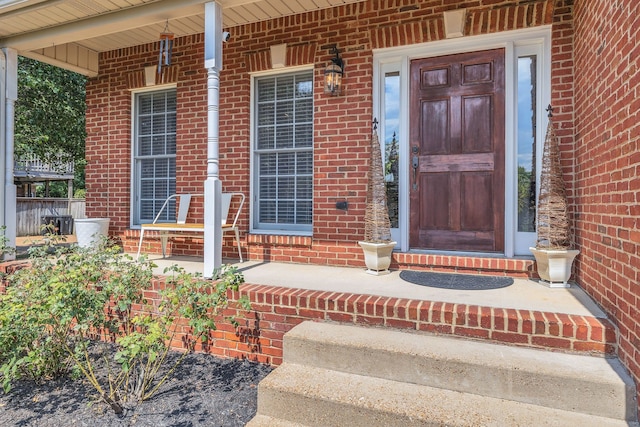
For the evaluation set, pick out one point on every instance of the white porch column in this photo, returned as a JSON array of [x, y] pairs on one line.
[[3, 127], [8, 96], [213, 185]]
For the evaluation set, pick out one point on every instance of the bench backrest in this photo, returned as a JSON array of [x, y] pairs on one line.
[[226, 203], [184, 201]]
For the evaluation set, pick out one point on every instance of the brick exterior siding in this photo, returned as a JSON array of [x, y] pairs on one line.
[[341, 124], [595, 92], [276, 310], [607, 163]]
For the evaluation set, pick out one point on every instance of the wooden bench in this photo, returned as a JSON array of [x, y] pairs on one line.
[[181, 228]]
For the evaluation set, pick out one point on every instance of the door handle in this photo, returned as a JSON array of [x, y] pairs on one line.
[[415, 160]]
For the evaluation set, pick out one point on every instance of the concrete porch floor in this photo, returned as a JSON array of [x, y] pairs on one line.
[[523, 294]]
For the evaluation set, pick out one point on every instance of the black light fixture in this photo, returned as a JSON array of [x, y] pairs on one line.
[[166, 47], [333, 74]]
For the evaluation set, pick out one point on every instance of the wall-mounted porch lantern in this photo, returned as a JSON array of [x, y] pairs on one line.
[[166, 47], [333, 74]]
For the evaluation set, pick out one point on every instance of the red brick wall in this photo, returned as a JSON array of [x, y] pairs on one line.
[[276, 310], [562, 91], [341, 124], [607, 156]]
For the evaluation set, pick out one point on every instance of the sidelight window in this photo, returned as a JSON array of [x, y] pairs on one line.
[[526, 142]]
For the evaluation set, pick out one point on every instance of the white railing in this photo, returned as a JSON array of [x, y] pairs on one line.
[[33, 164]]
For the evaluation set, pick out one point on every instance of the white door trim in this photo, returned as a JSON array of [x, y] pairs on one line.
[[516, 42]]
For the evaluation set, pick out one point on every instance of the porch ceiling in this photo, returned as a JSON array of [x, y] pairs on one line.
[[71, 33]]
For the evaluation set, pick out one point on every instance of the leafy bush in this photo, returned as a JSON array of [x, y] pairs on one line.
[[5, 249], [55, 310]]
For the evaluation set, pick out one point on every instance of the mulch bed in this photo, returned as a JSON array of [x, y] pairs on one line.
[[204, 391]]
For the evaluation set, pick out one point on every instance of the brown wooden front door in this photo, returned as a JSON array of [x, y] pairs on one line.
[[457, 152]]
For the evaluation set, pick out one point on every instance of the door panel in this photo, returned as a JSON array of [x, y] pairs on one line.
[[475, 188], [457, 149], [476, 137], [435, 218], [435, 115]]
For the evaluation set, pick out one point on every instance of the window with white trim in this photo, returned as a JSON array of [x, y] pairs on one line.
[[283, 153], [154, 154]]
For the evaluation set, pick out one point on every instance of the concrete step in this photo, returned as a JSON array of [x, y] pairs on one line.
[[265, 421], [318, 397], [567, 382]]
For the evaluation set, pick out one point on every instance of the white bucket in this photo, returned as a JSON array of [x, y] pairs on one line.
[[89, 231]]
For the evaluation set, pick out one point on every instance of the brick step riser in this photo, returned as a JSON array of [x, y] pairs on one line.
[[279, 309], [517, 268]]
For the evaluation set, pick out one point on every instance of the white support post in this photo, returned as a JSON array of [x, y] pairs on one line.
[[9, 89], [213, 185], [3, 127]]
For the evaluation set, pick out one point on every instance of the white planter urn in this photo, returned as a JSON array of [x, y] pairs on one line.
[[554, 265], [89, 231], [377, 256]]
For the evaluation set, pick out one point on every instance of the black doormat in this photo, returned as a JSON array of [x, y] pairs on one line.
[[460, 282]]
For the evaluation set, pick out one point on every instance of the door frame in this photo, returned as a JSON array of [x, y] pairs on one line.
[[515, 43]]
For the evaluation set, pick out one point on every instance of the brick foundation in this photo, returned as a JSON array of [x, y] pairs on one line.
[[276, 310]]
